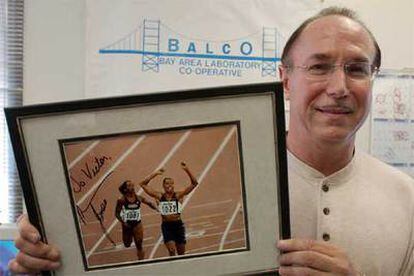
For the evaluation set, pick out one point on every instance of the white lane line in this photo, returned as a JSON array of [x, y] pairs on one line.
[[171, 153], [199, 180], [216, 154], [192, 220], [203, 248], [233, 217], [100, 240], [211, 203], [116, 164], [215, 246], [119, 247], [85, 152], [163, 162], [174, 149], [218, 233]]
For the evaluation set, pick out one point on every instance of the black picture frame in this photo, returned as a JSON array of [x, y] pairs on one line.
[[256, 111]]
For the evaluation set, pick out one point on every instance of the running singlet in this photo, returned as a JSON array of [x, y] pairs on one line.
[[172, 207], [131, 211]]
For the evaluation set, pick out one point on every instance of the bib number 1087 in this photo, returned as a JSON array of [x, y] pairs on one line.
[[132, 215]]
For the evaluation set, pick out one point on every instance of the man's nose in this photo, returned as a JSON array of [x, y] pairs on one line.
[[337, 84]]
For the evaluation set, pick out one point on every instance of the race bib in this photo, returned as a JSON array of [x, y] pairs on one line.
[[134, 215], [169, 208]]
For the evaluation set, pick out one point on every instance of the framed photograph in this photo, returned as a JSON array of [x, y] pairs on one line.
[[184, 182]]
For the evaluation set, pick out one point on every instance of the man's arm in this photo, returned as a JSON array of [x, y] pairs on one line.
[[192, 185], [144, 184]]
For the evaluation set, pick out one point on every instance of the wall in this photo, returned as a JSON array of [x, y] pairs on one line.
[[53, 50], [55, 35]]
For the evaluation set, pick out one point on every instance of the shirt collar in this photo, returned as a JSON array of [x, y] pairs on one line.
[[309, 173]]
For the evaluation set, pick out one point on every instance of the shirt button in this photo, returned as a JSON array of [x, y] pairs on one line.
[[325, 187], [326, 211], [326, 237]]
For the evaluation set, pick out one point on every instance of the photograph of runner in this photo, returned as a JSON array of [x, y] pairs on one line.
[[124, 218], [128, 212], [170, 207]]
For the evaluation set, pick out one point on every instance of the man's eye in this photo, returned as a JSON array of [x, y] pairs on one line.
[[319, 68], [358, 69]]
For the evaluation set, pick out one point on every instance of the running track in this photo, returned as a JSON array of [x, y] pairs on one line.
[[213, 213]]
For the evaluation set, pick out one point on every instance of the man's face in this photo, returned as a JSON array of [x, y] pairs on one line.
[[168, 185], [331, 109]]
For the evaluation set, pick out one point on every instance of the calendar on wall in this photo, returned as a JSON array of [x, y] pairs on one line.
[[392, 133]]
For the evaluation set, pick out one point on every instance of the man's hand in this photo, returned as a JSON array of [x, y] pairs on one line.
[[34, 255], [310, 257]]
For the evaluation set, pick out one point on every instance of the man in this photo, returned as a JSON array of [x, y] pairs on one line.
[[170, 205], [350, 214]]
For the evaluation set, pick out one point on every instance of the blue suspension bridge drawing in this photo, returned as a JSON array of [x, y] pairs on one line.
[[147, 40]]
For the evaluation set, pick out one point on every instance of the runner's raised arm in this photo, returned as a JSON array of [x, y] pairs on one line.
[[144, 184], [192, 185]]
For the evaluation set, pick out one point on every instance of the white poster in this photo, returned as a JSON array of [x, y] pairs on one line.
[[140, 46], [393, 120]]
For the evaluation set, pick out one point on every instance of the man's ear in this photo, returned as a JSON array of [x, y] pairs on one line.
[[284, 78]]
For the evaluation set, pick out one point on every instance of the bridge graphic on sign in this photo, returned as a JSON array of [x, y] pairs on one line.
[[146, 40]]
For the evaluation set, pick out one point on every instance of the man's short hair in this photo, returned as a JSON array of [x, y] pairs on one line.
[[165, 179], [340, 11]]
